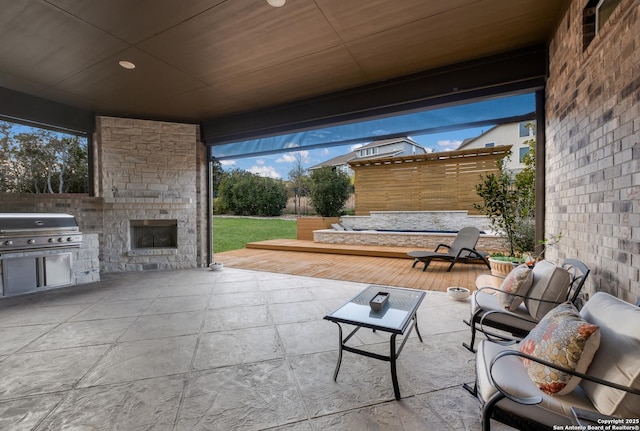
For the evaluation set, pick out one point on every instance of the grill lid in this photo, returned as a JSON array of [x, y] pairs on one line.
[[19, 222]]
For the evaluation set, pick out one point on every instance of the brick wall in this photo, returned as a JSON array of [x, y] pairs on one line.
[[593, 148]]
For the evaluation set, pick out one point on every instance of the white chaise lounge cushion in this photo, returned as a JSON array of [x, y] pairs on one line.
[[617, 359], [550, 283]]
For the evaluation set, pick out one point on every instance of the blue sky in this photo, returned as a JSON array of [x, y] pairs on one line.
[[279, 165]]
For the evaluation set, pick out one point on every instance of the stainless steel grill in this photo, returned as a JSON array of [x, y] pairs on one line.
[[38, 231]]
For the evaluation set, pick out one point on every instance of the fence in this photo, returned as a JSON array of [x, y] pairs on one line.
[[425, 182]]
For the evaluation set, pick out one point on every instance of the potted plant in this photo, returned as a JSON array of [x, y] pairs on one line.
[[508, 201]]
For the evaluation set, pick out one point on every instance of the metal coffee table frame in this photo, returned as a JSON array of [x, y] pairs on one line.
[[398, 317]]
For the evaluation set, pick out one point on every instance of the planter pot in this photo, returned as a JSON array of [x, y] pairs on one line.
[[306, 226], [458, 293], [216, 266], [501, 268]]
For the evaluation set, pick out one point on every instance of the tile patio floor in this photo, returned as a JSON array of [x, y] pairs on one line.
[[228, 350]]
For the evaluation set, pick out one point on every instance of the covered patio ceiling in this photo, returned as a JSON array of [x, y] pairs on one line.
[[209, 61]]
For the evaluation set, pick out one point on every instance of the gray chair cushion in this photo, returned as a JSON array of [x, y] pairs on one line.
[[511, 375], [550, 283], [618, 357], [486, 301]]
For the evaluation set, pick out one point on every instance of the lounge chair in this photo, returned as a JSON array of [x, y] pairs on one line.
[[462, 250], [551, 285]]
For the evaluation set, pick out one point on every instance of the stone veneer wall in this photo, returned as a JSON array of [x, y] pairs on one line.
[[87, 210], [143, 170], [151, 170], [85, 266], [419, 240], [593, 148], [88, 214], [416, 220]]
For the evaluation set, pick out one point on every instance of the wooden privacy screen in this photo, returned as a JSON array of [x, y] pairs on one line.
[[425, 182]]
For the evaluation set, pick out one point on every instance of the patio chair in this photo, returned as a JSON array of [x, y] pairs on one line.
[[551, 285], [463, 249], [603, 384]]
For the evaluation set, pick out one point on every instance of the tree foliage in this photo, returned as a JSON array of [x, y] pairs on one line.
[[41, 161], [509, 203], [299, 181], [329, 191], [217, 174], [244, 193]]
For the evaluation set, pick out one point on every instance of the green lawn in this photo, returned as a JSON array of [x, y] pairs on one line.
[[230, 233]]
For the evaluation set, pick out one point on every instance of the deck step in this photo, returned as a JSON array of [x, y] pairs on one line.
[[346, 249]]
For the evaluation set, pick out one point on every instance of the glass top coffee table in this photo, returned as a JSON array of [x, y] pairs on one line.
[[398, 317]]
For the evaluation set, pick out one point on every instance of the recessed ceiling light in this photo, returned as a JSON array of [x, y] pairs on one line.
[[276, 3], [127, 64]]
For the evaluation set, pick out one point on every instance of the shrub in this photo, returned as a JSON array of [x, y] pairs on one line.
[[329, 191], [244, 193], [509, 203]]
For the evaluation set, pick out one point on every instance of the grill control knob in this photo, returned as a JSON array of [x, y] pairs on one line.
[[52, 240], [60, 239], [70, 238], [31, 241], [8, 242]]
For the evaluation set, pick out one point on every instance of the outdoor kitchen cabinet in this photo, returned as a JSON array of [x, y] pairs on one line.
[[30, 273], [36, 251]]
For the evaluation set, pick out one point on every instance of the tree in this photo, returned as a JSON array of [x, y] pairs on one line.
[[76, 160], [5, 157], [329, 191], [244, 193], [299, 180], [40, 161], [217, 174], [509, 203]]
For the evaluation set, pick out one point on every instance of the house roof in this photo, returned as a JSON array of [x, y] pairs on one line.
[[384, 142], [336, 161], [211, 59], [343, 159], [468, 141]]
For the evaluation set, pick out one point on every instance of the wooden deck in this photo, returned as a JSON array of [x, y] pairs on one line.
[[388, 266]]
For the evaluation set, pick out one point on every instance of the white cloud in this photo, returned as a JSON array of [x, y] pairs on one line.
[[325, 152], [292, 157], [291, 145], [228, 162], [449, 144], [265, 171], [260, 162], [355, 147]]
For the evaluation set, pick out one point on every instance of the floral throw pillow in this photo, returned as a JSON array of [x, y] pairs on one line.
[[519, 282], [562, 338]]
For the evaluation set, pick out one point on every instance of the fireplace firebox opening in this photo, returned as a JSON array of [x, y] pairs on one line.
[[154, 234]]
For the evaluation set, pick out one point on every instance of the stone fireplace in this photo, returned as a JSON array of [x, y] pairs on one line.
[[145, 234], [149, 211], [153, 178]]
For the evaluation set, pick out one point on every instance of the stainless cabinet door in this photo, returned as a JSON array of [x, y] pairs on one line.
[[57, 269], [20, 275]]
